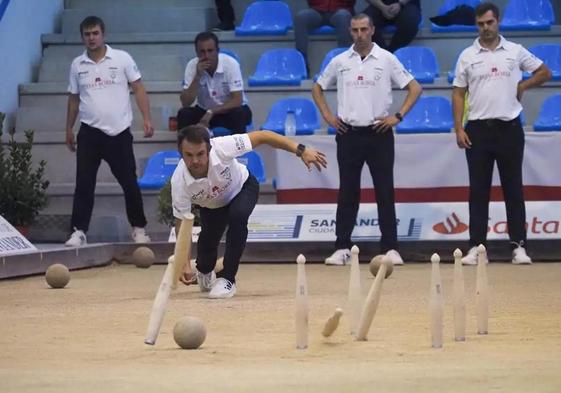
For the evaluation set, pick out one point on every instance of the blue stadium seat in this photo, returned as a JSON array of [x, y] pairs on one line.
[[328, 57], [431, 114], [253, 161], [419, 61], [550, 54], [279, 67], [528, 15], [220, 131], [323, 30], [549, 118], [449, 5], [331, 130], [305, 114], [159, 169], [265, 18], [230, 53]]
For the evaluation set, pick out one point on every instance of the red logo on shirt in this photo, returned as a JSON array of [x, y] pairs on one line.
[[215, 188], [360, 77], [494, 69], [98, 79]]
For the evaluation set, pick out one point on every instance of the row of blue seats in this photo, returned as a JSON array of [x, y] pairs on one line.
[[431, 114], [160, 167], [287, 67], [274, 17]]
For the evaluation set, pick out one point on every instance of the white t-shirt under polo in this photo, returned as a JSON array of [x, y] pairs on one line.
[[104, 89], [224, 180], [215, 90], [492, 78], [364, 87]]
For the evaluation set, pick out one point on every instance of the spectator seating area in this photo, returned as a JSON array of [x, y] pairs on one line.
[[160, 39]]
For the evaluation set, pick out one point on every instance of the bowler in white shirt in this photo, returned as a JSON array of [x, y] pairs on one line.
[[210, 176]]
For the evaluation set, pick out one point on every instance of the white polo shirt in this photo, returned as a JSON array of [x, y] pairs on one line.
[[224, 180], [104, 89], [364, 87], [215, 90], [492, 78]]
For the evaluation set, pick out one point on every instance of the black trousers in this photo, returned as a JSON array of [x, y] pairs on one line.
[[213, 224], [235, 120], [225, 12], [406, 24], [503, 142], [93, 145], [358, 146]]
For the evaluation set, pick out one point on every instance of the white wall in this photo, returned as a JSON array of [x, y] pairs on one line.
[[20, 47]]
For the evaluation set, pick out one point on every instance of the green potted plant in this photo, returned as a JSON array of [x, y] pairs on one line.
[[165, 210], [23, 190]]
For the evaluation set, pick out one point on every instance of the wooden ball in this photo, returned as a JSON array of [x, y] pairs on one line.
[[143, 257], [57, 275], [375, 265], [189, 333]]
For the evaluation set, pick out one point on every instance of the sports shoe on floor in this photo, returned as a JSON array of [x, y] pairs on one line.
[[519, 256], [222, 289], [394, 257], [206, 281], [471, 257], [77, 239], [139, 235], [339, 258]]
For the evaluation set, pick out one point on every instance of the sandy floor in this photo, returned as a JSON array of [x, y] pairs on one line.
[[89, 336]]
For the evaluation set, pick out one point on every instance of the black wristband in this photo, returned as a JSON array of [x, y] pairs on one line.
[[300, 150], [399, 116]]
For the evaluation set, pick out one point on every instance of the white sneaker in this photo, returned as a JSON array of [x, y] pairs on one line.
[[471, 257], [139, 235], [206, 281], [77, 239], [519, 256], [222, 289], [339, 258], [394, 257]]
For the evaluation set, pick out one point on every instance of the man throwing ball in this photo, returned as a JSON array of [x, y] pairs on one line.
[[210, 176]]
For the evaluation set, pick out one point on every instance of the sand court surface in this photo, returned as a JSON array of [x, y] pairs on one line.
[[89, 336]]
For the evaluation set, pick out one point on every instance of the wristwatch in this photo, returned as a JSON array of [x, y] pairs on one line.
[[300, 150], [399, 116]]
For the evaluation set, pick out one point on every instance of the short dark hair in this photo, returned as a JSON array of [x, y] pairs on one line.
[[483, 8], [92, 21], [362, 15], [193, 134], [204, 36]]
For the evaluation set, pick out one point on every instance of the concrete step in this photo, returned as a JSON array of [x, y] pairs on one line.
[[141, 46], [152, 68], [123, 19], [42, 119], [61, 163], [165, 94]]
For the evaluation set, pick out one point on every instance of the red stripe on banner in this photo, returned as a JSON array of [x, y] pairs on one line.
[[412, 195]]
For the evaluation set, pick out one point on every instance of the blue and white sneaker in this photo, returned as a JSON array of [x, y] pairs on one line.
[[339, 258], [222, 289]]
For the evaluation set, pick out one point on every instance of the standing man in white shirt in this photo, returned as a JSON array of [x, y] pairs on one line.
[[491, 70], [214, 81], [364, 75], [99, 93], [210, 176]]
